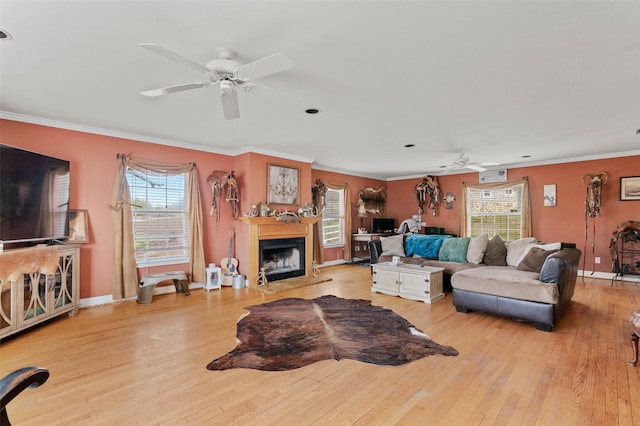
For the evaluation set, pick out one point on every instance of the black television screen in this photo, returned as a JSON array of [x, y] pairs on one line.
[[381, 225], [34, 196]]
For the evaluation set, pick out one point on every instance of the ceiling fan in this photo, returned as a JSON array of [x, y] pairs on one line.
[[464, 163], [224, 72]]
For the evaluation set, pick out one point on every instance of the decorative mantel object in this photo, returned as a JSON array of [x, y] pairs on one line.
[[283, 184]]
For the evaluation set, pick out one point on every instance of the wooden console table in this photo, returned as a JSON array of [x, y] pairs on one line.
[[37, 284]]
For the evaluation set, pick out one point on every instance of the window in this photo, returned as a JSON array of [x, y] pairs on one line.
[[160, 221], [495, 211], [333, 218]]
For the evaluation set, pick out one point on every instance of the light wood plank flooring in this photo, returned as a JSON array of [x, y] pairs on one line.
[[130, 364]]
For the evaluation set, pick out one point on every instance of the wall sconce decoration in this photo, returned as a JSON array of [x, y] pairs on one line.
[[449, 198]]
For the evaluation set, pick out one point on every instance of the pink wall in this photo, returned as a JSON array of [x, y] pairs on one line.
[[565, 222], [93, 162]]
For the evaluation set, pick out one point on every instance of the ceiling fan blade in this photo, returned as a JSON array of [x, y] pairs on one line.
[[268, 65], [230, 104], [488, 163], [174, 57], [475, 167], [172, 89]]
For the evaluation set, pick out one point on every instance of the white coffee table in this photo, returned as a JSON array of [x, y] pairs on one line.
[[408, 281]]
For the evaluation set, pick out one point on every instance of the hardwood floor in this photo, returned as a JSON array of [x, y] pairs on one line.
[[131, 364]]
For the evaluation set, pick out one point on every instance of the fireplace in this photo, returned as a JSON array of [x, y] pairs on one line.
[[270, 231], [282, 258]]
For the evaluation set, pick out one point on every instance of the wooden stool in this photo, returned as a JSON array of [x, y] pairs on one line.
[[635, 333]]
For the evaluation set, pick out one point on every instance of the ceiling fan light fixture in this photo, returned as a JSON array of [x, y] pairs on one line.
[[226, 87]]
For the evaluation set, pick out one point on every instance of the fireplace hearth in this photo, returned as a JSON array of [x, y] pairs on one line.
[[282, 258]]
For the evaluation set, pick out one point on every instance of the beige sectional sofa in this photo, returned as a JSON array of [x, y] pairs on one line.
[[525, 279]]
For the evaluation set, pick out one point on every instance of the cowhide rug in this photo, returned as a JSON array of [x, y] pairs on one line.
[[291, 333]]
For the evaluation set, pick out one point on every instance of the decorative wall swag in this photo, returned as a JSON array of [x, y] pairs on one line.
[[219, 181], [428, 186], [594, 183]]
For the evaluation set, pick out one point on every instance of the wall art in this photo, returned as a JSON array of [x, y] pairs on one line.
[[284, 184]]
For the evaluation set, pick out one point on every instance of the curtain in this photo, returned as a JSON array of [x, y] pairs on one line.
[[125, 277], [318, 191], [525, 227]]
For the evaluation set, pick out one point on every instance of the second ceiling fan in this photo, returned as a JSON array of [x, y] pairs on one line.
[[224, 72]]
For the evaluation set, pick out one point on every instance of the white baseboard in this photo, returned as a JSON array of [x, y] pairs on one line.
[[104, 300], [332, 263], [608, 276]]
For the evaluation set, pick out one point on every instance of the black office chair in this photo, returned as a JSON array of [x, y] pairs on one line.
[[14, 383]]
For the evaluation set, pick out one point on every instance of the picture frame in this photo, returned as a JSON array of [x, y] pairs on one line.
[[549, 199], [630, 188], [78, 226], [283, 185]]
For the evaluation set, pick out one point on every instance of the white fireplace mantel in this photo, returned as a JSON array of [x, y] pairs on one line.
[[269, 228]]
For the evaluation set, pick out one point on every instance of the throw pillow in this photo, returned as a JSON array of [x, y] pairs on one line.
[[496, 253], [477, 248], [515, 250], [392, 246], [424, 245], [534, 259], [548, 246], [454, 249]]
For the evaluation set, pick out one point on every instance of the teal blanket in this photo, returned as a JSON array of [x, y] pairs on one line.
[[424, 245]]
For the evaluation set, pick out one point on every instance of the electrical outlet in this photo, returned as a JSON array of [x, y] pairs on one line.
[[597, 260]]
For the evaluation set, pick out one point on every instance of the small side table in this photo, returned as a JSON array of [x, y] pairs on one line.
[[361, 241]]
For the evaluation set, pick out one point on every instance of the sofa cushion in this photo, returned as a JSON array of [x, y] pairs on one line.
[[496, 252], [424, 245], [552, 270], [516, 248], [454, 249], [393, 245], [543, 246], [477, 248], [506, 282], [534, 259], [450, 268]]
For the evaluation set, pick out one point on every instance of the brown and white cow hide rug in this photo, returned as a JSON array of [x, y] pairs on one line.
[[291, 333]]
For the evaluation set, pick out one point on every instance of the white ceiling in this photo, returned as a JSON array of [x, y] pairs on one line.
[[494, 80]]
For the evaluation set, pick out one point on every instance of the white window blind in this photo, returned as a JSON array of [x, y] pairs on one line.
[[333, 217], [160, 222], [495, 211]]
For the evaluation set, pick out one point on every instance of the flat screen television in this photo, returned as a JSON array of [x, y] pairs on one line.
[[34, 197], [380, 225]]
